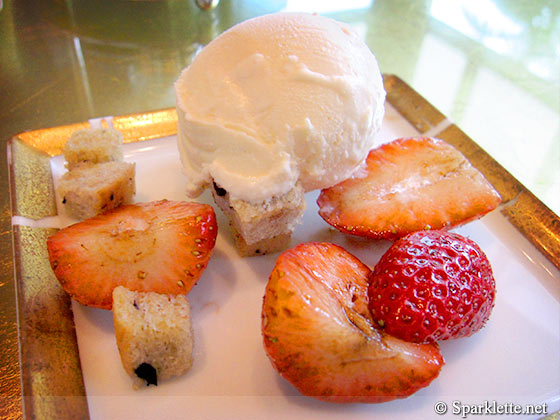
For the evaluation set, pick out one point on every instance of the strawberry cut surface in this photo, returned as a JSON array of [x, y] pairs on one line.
[[432, 286], [407, 185], [160, 246], [320, 336]]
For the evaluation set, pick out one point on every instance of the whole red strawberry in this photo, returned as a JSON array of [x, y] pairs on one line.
[[430, 286]]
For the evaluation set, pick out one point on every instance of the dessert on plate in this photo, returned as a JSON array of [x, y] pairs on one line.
[[93, 145], [159, 246], [272, 108], [91, 189], [407, 185], [154, 335], [97, 179], [431, 286], [319, 333], [341, 332]]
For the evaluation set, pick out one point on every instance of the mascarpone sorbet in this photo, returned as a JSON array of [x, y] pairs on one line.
[[278, 99]]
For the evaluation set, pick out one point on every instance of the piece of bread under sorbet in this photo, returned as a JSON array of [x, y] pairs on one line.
[[264, 227]]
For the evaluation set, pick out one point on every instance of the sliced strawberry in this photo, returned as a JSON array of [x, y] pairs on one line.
[[319, 334], [408, 185], [159, 247]]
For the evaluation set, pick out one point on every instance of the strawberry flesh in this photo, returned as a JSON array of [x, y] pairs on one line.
[[319, 335], [432, 286], [161, 246], [407, 185]]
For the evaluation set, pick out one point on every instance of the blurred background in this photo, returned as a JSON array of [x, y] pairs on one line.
[[491, 66]]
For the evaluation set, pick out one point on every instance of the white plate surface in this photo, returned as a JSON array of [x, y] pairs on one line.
[[514, 360]]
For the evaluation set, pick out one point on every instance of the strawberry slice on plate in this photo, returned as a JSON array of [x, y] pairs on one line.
[[160, 246], [319, 334], [407, 185]]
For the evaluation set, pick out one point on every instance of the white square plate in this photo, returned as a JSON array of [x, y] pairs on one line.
[[514, 360]]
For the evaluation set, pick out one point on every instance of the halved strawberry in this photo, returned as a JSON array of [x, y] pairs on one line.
[[409, 184], [319, 334], [160, 246]]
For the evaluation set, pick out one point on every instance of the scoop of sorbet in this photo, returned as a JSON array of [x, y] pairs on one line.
[[275, 100]]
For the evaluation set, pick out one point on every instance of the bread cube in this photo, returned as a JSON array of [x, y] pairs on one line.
[[93, 145], [265, 227], [154, 335], [91, 189]]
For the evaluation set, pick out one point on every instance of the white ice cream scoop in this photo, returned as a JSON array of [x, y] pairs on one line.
[[277, 99]]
